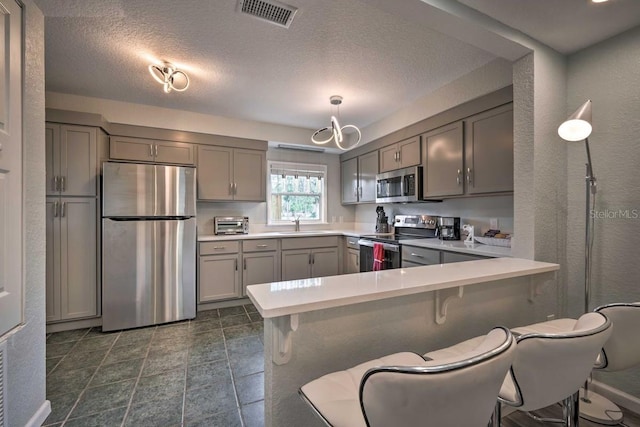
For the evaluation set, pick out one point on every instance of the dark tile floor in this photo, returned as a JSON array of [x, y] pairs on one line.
[[204, 372]]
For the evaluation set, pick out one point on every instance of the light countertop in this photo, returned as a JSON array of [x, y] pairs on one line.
[[461, 247], [299, 296]]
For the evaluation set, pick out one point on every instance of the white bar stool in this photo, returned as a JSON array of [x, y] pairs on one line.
[[404, 389], [548, 367]]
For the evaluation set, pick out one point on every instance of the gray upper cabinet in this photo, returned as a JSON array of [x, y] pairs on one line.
[[359, 178], [71, 160], [400, 155], [148, 150], [349, 173], [231, 174], [489, 151], [443, 161]]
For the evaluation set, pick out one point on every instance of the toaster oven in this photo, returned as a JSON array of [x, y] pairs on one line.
[[230, 225]]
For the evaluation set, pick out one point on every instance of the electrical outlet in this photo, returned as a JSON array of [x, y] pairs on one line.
[[493, 224], [551, 317]]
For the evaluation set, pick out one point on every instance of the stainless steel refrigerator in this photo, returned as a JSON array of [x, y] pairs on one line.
[[148, 245]]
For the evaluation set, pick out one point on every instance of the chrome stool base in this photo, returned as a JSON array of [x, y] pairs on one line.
[[599, 409]]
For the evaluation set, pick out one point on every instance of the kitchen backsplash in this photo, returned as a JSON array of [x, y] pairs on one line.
[[476, 211]]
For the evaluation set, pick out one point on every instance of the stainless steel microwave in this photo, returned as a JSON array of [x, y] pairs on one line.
[[401, 186]]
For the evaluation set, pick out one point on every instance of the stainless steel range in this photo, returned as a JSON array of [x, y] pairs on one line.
[[406, 227]]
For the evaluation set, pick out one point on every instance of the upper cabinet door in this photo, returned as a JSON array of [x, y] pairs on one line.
[[489, 151], [52, 158], [78, 160], [214, 174], [443, 161], [181, 153], [136, 149], [367, 171], [349, 175], [249, 175], [389, 158], [409, 152]]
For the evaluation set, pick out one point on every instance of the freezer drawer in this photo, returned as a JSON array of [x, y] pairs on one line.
[[143, 190], [148, 272]]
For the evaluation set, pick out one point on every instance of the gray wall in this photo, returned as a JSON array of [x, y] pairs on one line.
[[607, 74], [26, 349]]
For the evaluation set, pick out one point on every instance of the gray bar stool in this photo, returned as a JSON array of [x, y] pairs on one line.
[[548, 367], [404, 389]]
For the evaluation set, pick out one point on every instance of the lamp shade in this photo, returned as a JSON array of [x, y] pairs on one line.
[[578, 126]]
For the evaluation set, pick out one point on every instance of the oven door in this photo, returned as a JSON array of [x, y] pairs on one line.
[[391, 255]]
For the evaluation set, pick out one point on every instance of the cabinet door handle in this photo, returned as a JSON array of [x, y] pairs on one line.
[[416, 255], [261, 246], [62, 209], [56, 184], [468, 175], [156, 149], [352, 242], [399, 156], [313, 258], [150, 150], [244, 263], [235, 188], [360, 192], [55, 209], [231, 188], [63, 184], [236, 263], [458, 181], [309, 259], [218, 248]]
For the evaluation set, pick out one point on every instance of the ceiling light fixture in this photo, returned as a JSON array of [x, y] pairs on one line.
[[336, 131], [170, 77]]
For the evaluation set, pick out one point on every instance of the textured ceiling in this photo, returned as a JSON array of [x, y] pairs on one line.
[[245, 68], [565, 25]]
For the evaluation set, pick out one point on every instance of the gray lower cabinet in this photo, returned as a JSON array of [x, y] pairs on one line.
[[448, 257], [231, 174], [413, 256], [260, 262], [71, 258], [353, 261], [218, 277], [219, 274], [148, 150], [299, 261]]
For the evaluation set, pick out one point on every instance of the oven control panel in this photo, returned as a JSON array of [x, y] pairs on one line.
[[416, 221]]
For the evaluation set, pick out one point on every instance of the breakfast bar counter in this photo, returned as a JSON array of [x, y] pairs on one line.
[[316, 326]]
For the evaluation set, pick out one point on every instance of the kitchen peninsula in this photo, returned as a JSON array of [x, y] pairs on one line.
[[320, 325]]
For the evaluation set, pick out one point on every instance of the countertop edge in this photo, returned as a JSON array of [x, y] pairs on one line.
[[538, 268]]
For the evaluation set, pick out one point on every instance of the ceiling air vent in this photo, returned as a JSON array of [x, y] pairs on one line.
[[271, 11]]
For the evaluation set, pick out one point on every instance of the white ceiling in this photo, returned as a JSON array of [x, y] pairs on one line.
[[244, 68]]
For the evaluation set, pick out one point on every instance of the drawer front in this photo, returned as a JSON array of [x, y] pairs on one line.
[[220, 247], [421, 256], [309, 242], [352, 242], [448, 257], [260, 245]]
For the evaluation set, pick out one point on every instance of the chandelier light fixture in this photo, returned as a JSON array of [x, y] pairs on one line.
[[335, 130], [170, 77]]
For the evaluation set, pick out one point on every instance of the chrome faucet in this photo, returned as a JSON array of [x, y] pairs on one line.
[[297, 221]]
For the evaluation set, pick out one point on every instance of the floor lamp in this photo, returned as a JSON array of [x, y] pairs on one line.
[[577, 127]]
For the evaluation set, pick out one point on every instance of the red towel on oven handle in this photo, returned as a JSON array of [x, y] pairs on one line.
[[378, 256]]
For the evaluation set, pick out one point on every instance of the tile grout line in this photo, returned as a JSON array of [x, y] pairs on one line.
[[92, 376], [233, 381], [186, 374], [135, 386]]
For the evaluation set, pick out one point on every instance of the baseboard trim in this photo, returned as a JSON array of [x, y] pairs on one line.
[[618, 397], [223, 304], [74, 324], [41, 414]]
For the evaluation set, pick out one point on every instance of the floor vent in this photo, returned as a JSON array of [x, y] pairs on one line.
[[3, 360], [269, 10]]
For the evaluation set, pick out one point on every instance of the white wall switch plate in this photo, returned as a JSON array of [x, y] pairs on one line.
[[493, 223]]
